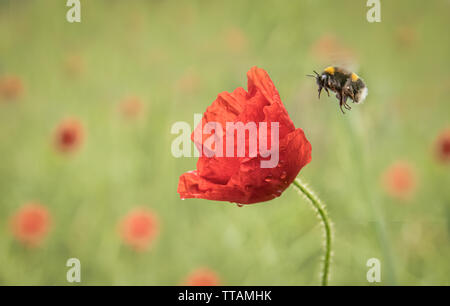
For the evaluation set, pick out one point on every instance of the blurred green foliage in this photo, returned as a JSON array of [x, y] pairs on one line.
[[177, 56]]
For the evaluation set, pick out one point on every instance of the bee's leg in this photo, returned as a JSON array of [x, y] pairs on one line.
[[340, 105], [326, 89], [344, 101], [341, 101], [320, 90], [347, 92]]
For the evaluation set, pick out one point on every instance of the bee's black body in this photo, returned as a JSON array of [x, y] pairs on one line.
[[344, 83]]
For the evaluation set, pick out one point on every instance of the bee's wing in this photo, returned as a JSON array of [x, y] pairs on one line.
[[347, 61]]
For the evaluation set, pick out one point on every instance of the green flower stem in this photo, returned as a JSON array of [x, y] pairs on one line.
[[323, 216]]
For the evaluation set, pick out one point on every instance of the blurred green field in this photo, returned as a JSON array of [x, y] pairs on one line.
[[177, 56]]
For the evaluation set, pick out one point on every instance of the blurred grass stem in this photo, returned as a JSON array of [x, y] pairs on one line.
[[362, 154]]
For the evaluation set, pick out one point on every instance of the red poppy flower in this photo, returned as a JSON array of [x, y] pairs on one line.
[[442, 146], [329, 48], [30, 224], [131, 107], [242, 179], [69, 135], [202, 277], [139, 228], [406, 36], [399, 180], [189, 82], [235, 39], [74, 65], [11, 87]]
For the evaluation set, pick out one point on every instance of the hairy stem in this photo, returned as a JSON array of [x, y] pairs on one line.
[[323, 216]]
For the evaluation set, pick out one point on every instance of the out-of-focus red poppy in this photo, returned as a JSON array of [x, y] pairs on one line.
[[31, 224], [242, 179], [406, 36], [131, 107], [11, 87], [69, 135], [202, 277], [139, 229], [328, 48], [442, 146], [189, 82], [74, 65], [399, 180], [235, 39]]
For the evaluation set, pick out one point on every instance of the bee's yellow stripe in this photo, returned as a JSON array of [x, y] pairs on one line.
[[329, 70], [354, 77]]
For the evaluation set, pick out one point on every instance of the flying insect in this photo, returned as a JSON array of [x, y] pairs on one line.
[[344, 83]]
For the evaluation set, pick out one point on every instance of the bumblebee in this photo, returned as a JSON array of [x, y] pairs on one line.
[[344, 83]]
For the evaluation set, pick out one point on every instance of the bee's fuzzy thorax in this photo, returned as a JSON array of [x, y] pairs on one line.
[[329, 70]]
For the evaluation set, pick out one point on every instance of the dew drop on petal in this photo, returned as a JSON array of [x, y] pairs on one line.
[[268, 179], [277, 193], [283, 175]]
